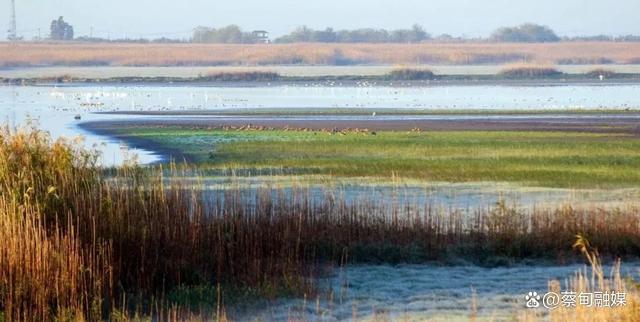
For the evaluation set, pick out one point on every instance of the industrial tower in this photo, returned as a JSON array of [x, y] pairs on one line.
[[13, 34]]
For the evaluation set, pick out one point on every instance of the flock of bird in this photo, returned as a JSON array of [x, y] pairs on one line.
[[287, 128], [366, 94]]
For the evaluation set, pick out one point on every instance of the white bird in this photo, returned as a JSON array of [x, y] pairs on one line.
[[374, 114]]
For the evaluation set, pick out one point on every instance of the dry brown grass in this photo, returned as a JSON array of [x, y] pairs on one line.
[[217, 54], [591, 280], [79, 243]]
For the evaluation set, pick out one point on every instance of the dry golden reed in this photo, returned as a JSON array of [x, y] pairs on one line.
[[590, 280], [118, 54]]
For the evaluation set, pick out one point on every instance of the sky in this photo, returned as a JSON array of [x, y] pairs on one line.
[[176, 19]]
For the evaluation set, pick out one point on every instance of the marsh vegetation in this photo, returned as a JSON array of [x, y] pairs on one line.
[[120, 54], [553, 159], [82, 242]]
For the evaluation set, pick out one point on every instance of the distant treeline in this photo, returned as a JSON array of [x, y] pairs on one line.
[[226, 35], [233, 34], [365, 35], [525, 33], [162, 40], [625, 38]]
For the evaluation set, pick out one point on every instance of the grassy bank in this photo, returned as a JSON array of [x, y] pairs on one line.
[[555, 159], [82, 243]]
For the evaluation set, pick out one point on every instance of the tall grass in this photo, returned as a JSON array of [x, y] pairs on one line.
[[591, 280], [80, 242], [84, 54]]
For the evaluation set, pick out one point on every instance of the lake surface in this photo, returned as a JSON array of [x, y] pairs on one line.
[[55, 107]]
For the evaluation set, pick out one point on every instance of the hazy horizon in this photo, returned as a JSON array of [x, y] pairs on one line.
[[468, 18]]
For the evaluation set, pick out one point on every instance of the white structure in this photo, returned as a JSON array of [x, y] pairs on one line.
[[261, 36]]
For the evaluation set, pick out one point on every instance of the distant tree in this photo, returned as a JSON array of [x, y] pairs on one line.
[[304, 34], [445, 37], [301, 34], [622, 38], [525, 33], [415, 34], [628, 38], [327, 35], [231, 34], [366, 35], [61, 30]]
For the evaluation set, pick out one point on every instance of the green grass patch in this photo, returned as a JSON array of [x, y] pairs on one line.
[[556, 159]]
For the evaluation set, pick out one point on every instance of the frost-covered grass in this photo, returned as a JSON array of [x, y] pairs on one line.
[[553, 159]]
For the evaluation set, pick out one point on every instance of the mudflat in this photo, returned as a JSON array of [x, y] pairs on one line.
[[597, 123]]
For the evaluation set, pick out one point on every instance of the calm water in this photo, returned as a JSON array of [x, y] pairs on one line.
[[55, 107], [439, 196]]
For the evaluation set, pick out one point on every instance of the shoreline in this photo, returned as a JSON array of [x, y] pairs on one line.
[[262, 79], [568, 123], [593, 123], [325, 82]]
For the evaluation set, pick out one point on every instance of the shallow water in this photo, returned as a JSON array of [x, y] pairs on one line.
[[55, 110], [532, 98], [55, 107], [438, 196]]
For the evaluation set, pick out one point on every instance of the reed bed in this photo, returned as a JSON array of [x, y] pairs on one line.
[[115, 54], [84, 243], [598, 72], [255, 76], [411, 74], [528, 71]]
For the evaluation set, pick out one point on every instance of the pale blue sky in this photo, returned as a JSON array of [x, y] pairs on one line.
[[155, 18]]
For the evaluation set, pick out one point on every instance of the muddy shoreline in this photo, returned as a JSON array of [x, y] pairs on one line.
[[567, 123]]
